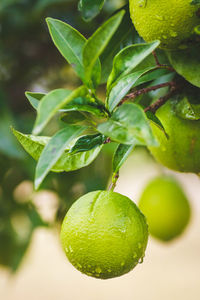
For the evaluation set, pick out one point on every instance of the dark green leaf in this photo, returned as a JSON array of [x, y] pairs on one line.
[[73, 117], [128, 58], [90, 8], [88, 142], [97, 43], [54, 150], [129, 125], [187, 63], [121, 154], [52, 102], [155, 121]]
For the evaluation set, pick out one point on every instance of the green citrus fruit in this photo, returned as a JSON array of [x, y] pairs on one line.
[[104, 234], [181, 150], [172, 22], [166, 208]]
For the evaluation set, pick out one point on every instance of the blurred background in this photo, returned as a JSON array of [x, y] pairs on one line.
[[32, 264]]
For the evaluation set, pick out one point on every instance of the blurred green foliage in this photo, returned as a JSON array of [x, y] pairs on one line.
[[29, 60]]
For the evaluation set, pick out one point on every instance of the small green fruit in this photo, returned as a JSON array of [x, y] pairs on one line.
[[181, 150], [104, 234], [172, 22], [166, 208]]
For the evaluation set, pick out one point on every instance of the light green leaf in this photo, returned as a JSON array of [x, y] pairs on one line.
[[34, 146], [128, 58], [128, 125], [34, 98], [97, 43], [52, 102], [54, 150]]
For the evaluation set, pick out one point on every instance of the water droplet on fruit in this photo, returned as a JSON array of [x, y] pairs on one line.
[[160, 18], [142, 3], [70, 248], [134, 255], [98, 270]]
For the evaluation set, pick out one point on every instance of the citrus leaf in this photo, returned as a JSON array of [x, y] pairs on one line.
[[120, 156], [128, 58], [187, 63], [34, 146], [122, 86], [97, 43], [156, 121], [73, 117], [88, 142], [122, 37], [70, 44], [52, 102], [128, 125], [54, 150], [34, 98], [90, 8]]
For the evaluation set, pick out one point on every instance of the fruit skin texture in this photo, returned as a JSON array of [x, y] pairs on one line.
[[104, 234], [166, 208], [171, 22], [181, 151]]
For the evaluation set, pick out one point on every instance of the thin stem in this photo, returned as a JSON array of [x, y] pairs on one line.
[[149, 89], [153, 107], [114, 181], [161, 65]]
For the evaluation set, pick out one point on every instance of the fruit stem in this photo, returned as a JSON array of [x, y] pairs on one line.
[[114, 181]]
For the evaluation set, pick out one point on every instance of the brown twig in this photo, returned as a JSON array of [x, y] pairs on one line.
[[153, 107], [161, 65], [149, 89]]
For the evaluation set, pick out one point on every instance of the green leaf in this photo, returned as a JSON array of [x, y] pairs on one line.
[[52, 102], [90, 8], [54, 150], [187, 63], [121, 87], [97, 43], [122, 37], [187, 110], [73, 117], [128, 58], [88, 142], [70, 43], [156, 121], [34, 146], [129, 125], [34, 98], [86, 104], [120, 156]]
